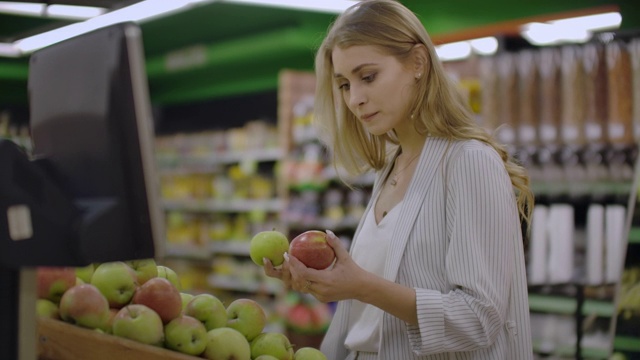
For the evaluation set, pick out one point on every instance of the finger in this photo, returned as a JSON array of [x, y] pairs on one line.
[[270, 270], [336, 244]]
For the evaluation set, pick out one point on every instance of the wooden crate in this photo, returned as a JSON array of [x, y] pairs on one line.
[[58, 340]]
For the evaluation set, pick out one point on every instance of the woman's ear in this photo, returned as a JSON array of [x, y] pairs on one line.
[[420, 57]]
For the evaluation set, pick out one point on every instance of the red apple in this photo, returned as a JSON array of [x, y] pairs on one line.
[[160, 295], [312, 249], [84, 305], [54, 281]]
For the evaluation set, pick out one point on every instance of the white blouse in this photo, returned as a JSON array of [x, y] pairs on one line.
[[370, 253]]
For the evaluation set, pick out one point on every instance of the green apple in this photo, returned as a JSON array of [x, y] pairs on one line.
[[225, 343], [85, 273], [208, 309], [140, 323], [52, 282], [84, 305], [274, 344], [47, 309], [268, 244], [185, 334], [116, 281], [247, 316], [168, 273], [185, 297], [309, 353], [145, 269]]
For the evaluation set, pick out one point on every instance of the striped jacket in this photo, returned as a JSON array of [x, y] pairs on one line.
[[458, 243]]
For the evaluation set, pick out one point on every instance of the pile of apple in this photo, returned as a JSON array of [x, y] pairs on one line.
[[142, 301]]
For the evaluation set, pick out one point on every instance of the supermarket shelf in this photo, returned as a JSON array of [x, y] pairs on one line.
[[626, 343], [231, 247], [215, 159], [230, 283], [187, 251], [273, 205], [568, 306]]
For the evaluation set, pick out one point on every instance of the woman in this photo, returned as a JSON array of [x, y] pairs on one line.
[[436, 269]]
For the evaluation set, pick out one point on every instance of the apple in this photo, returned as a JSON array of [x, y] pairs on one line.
[[47, 309], [268, 244], [86, 306], [185, 297], [145, 269], [225, 344], [247, 316], [274, 344], [112, 315], [85, 273], [309, 353], [139, 323], [208, 309], [53, 281], [185, 334], [161, 296], [116, 281], [266, 357], [312, 249], [168, 273]]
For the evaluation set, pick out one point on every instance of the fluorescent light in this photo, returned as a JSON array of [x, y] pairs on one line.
[[74, 12], [9, 50], [144, 10], [331, 6], [484, 46], [570, 30], [67, 12], [462, 49], [454, 51], [17, 8]]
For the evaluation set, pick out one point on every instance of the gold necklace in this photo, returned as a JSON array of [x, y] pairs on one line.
[[394, 179]]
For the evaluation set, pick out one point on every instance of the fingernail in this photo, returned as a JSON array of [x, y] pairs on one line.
[[286, 257], [264, 260], [331, 233]]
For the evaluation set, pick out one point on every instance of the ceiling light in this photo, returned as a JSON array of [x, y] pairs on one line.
[[144, 10], [462, 49], [484, 46], [66, 12], [331, 6], [570, 30], [9, 50], [454, 51]]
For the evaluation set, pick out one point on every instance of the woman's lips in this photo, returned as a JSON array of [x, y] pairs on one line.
[[368, 117]]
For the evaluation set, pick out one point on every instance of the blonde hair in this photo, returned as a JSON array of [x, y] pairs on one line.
[[438, 108]]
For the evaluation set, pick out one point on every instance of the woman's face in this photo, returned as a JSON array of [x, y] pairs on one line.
[[376, 87]]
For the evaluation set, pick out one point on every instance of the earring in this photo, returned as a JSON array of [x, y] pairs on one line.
[[418, 75]]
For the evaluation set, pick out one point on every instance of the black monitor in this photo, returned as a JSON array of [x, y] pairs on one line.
[[89, 192]]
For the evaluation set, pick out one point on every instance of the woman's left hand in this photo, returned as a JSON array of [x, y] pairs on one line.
[[338, 282]]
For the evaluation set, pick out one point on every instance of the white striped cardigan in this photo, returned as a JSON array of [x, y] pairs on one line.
[[458, 243]]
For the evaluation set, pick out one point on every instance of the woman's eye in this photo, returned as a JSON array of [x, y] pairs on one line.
[[369, 78], [344, 86]]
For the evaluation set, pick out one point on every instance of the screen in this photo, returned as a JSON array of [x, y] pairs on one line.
[[91, 122]]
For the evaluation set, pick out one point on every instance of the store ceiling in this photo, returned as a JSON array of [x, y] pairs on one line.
[[245, 46]]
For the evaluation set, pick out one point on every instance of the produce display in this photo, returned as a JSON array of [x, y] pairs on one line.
[[142, 301]]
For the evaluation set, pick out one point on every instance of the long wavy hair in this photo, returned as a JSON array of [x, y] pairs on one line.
[[438, 108]]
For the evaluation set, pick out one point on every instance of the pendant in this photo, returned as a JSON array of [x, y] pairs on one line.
[[393, 182]]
